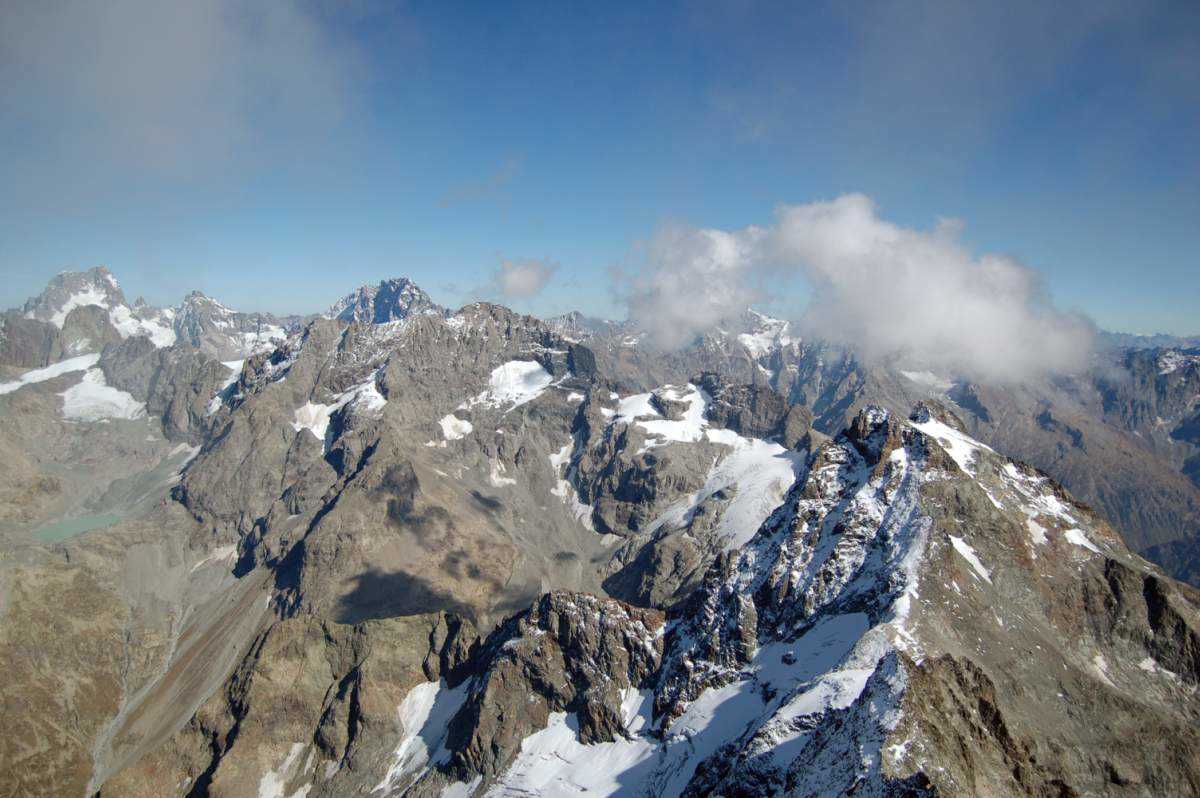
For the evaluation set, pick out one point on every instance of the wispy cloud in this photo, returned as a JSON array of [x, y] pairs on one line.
[[177, 90], [492, 186], [883, 289], [520, 279], [691, 280]]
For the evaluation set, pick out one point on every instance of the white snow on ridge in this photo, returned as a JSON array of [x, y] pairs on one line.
[[235, 371], [513, 383], [1171, 361], [635, 406], [1037, 496], [81, 363], [265, 339], [962, 448], [688, 429], [92, 399], [119, 315], [771, 334]]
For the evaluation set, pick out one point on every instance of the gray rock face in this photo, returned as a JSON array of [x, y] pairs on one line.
[[176, 384], [28, 343], [333, 687], [754, 410], [628, 487], [206, 325], [392, 300], [662, 568], [903, 624], [569, 653]]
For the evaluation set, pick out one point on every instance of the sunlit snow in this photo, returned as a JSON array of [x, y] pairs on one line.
[[759, 473], [81, 363], [1079, 539], [424, 717], [968, 554], [92, 399], [961, 448], [512, 384], [454, 428]]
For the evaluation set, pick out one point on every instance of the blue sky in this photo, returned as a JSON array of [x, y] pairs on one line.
[[278, 155]]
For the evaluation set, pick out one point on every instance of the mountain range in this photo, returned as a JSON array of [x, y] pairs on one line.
[[402, 549]]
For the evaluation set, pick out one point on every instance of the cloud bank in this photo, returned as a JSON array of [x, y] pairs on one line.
[[883, 289]]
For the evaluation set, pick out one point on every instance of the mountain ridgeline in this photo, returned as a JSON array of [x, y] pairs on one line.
[[401, 549]]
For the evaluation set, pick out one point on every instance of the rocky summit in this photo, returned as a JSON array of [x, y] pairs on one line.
[[401, 549]]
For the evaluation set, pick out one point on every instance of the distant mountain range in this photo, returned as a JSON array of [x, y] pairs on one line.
[[400, 549]]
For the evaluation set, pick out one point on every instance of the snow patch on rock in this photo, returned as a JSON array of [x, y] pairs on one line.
[[552, 761], [315, 417], [1077, 537], [512, 384], [424, 718], [81, 363], [963, 449], [92, 399], [223, 393], [759, 472], [964, 549], [273, 782], [454, 428]]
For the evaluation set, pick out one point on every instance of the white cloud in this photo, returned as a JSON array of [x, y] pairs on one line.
[[881, 288], [522, 279], [692, 280]]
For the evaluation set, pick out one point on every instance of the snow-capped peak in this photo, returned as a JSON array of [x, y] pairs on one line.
[[390, 300]]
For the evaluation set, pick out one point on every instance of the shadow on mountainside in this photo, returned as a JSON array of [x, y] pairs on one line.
[[378, 594]]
